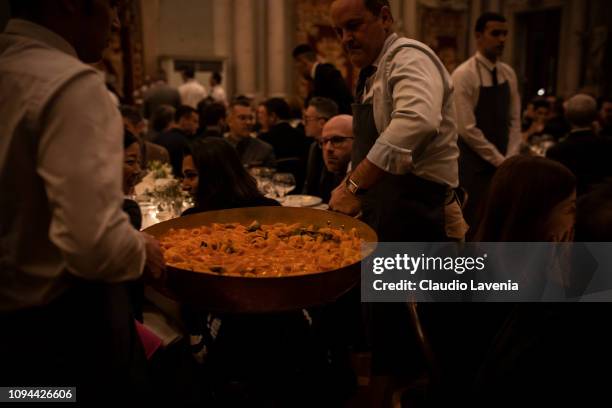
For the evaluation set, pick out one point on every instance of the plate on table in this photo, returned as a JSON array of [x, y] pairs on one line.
[[300, 200]]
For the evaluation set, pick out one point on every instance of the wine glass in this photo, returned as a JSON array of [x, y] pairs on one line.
[[263, 176], [283, 183]]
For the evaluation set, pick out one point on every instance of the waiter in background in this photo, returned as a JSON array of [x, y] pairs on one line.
[[488, 112]]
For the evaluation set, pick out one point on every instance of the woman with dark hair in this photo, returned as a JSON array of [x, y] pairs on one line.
[[540, 349], [217, 180], [531, 199], [252, 359]]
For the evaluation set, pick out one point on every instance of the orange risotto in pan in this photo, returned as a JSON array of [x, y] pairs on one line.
[[261, 250]]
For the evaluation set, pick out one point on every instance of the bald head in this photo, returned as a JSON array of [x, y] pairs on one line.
[[337, 143], [339, 125], [581, 110]]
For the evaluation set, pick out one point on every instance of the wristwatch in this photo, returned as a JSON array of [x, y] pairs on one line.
[[354, 188]]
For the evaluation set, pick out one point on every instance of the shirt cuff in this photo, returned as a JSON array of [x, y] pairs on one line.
[[390, 158], [498, 160]]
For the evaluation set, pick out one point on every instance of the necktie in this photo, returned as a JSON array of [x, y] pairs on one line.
[[494, 75], [364, 74]]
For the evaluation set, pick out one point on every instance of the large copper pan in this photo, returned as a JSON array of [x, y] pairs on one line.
[[237, 294]]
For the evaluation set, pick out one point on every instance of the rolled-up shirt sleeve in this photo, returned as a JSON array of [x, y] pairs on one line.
[[466, 98], [80, 159], [417, 91]]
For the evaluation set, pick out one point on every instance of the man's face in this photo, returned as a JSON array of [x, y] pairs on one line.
[[541, 114], [95, 20], [337, 144], [137, 129], [492, 41], [263, 118], [302, 66], [313, 123], [189, 123], [362, 33], [606, 113], [241, 121]]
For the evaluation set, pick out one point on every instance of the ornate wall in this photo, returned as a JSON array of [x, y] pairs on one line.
[[444, 27], [314, 26], [123, 60]]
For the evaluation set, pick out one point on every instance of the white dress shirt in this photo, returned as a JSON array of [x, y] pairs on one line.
[[218, 94], [61, 156], [192, 92], [467, 80], [313, 70], [411, 93]]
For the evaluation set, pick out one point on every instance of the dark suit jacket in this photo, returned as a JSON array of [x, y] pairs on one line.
[[329, 83], [587, 156], [606, 131], [319, 181], [175, 141], [289, 143], [157, 95], [255, 152]]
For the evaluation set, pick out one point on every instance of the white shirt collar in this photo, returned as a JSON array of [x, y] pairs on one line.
[[314, 69], [39, 33], [486, 62], [390, 39]]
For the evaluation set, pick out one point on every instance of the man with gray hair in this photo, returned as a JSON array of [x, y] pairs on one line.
[[582, 151]]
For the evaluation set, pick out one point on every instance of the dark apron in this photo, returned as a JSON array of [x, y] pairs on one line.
[[400, 208], [84, 339], [493, 119]]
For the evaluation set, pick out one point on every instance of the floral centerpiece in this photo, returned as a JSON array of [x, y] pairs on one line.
[[161, 187]]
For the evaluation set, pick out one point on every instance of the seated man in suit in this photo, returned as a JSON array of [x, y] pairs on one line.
[[582, 151], [290, 144], [327, 81], [252, 151], [337, 144], [316, 115], [175, 140]]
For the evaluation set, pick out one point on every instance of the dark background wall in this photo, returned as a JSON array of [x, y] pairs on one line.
[[4, 13]]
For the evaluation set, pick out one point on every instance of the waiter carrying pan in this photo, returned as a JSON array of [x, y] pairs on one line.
[[404, 158]]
